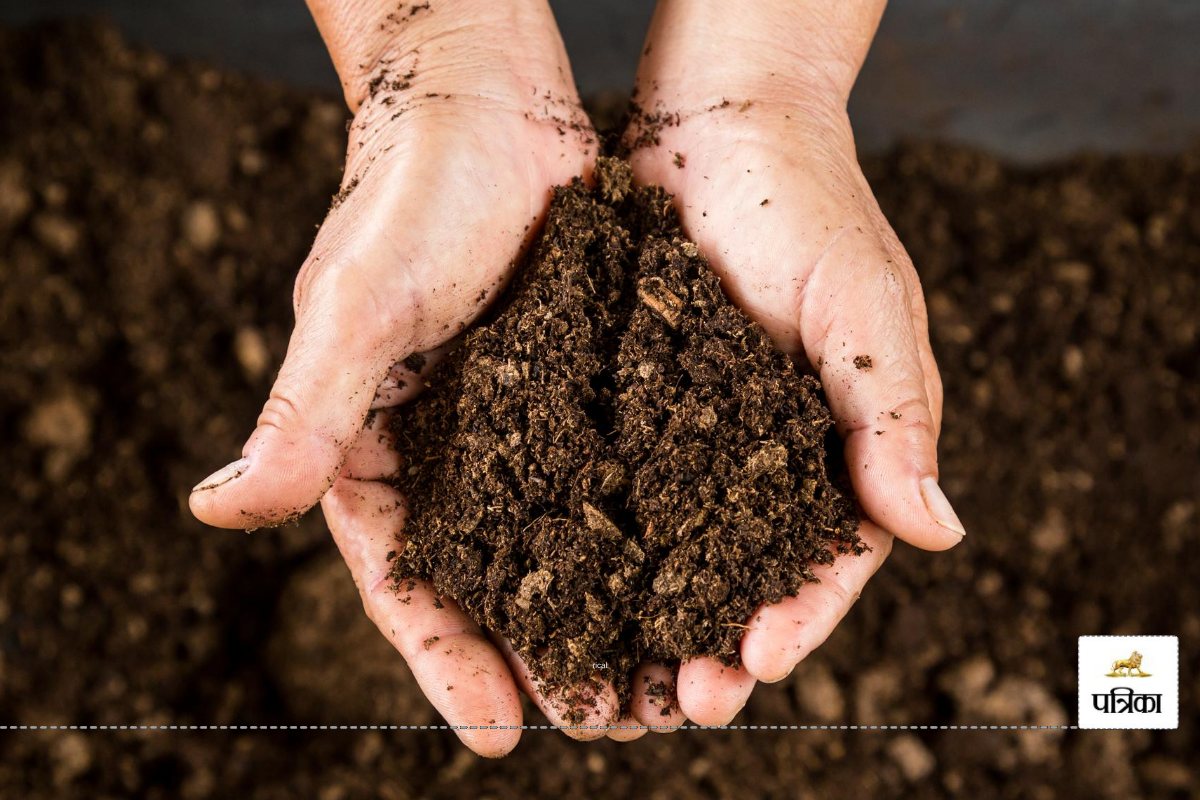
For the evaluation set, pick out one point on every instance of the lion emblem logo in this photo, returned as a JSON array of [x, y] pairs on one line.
[[1126, 667]]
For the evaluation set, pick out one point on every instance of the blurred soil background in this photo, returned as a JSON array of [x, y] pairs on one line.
[[152, 216]]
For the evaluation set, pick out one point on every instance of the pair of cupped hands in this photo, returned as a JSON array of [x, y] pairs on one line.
[[465, 118]]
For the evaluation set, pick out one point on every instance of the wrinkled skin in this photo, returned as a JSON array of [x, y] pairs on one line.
[[438, 203]]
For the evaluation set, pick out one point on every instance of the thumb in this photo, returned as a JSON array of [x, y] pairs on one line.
[[863, 328], [346, 338]]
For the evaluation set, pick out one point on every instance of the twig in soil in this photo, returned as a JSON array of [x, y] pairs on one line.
[[665, 304]]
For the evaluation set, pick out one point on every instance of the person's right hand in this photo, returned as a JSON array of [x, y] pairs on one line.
[[465, 117]]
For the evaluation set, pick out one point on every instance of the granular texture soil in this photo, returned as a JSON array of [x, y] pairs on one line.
[[620, 465], [152, 218]]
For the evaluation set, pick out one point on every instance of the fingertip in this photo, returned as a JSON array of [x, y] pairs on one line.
[[936, 543], [457, 668], [766, 670], [206, 498], [597, 718], [585, 712], [206, 506], [938, 506], [917, 521], [309, 422], [765, 655], [627, 729], [783, 634], [894, 482], [654, 701], [460, 672], [710, 693], [467, 681], [491, 741], [273, 484]]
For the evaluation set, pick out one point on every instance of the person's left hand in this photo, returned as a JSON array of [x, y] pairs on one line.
[[767, 183]]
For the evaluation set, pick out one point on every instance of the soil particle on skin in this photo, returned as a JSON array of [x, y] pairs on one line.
[[863, 362], [414, 362], [619, 466], [343, 194], [643, 127], [663, 693]]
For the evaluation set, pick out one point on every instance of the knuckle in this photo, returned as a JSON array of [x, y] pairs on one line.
[[914, 415], [922, 426], [282, 410], [383, 310], [379, 589], [362, 306], [309, 274], [322, 283], [844, 595], [329, 267]]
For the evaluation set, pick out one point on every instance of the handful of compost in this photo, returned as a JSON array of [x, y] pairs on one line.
[[619, 465]]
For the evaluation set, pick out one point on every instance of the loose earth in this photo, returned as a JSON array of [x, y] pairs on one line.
[[619, 466]]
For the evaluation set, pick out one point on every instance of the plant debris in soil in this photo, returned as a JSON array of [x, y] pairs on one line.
[[620, 465]]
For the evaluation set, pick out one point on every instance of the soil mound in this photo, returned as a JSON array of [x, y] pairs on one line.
[[619, 465]]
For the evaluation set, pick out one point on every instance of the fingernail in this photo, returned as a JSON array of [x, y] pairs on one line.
[[224, 475], [939, 507]]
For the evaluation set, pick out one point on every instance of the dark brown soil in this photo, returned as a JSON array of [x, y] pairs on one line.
[[620, 466], [138, 339]]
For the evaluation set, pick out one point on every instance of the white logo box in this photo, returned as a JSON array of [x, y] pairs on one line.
[[1126, 703]]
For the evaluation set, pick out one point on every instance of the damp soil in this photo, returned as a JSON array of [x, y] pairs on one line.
[[153, 214], [619, 466]]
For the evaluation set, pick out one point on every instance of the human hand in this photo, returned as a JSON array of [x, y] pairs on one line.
[[465, 117], [757, 149]]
